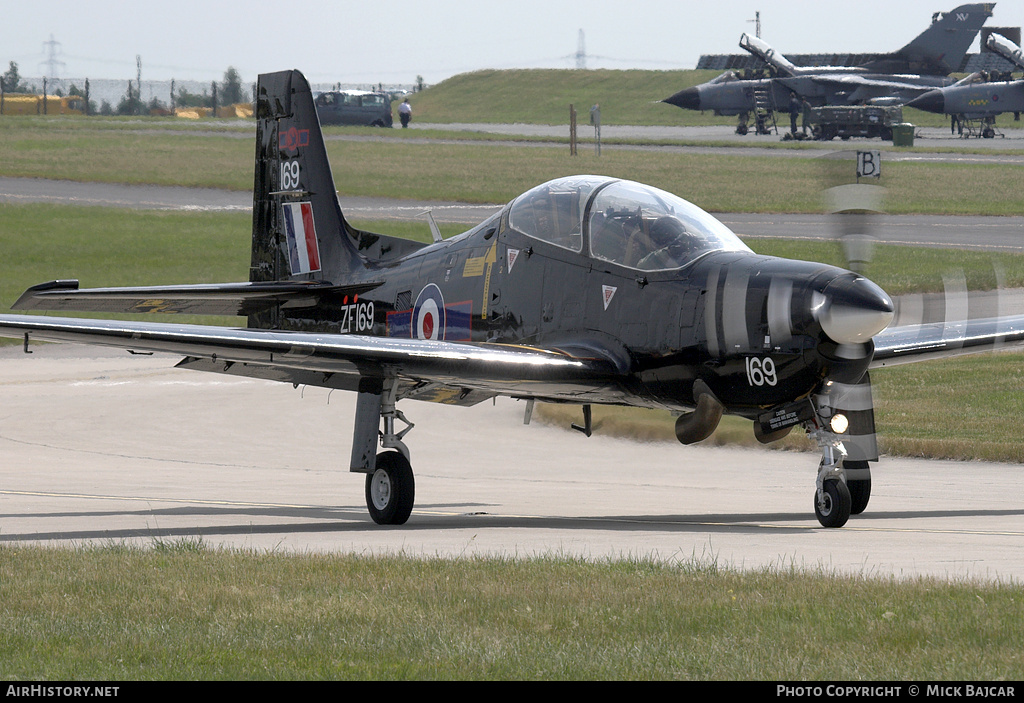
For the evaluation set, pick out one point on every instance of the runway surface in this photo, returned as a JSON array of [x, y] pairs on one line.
[[99, 447]]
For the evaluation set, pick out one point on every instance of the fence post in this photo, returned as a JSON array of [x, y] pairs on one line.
[[572, 130]]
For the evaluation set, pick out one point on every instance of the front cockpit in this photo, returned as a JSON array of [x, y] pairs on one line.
[[622, 222]]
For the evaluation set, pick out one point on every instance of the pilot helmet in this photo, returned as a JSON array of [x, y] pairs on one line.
[[666, 230]]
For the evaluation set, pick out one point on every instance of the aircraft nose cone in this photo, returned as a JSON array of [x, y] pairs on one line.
[[932, 101], [852, 309], [687, 98]]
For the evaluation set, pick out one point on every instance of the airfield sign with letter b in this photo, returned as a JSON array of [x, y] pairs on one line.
[[869, 164]]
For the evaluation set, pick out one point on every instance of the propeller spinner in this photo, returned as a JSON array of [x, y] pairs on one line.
[[852, 309]]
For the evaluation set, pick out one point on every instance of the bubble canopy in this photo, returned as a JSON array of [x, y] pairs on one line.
[[627, 223]]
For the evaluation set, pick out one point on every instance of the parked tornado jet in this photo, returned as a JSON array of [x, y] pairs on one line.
[[975, 101], [922, 65], [584, 289]]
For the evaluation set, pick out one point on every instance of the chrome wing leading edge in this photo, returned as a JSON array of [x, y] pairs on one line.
[[911, 343], [473, 370]]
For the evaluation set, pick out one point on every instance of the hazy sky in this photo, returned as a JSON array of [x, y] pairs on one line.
[[394, 41]]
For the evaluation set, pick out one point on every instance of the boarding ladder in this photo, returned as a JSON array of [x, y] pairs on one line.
[[764, 111]]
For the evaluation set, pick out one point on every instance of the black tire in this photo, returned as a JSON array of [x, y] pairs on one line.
[[390, 489], [858, 480], [860, 493], [833, 509]]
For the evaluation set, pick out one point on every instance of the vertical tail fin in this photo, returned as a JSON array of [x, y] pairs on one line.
[[298, 230], [941, 48]]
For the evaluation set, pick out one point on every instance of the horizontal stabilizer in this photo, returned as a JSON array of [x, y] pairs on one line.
[[201, 299]]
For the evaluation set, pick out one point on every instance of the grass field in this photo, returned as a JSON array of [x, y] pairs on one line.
[[179, 611], [69, 149]]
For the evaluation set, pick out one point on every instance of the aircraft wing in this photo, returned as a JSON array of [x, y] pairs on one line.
[[211, 299], [909, 343], [869, 82], [438, 371]]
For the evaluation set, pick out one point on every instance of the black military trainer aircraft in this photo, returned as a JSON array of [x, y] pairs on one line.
[[582, 290]]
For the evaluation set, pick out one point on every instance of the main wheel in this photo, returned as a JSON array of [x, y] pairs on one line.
[[390, 489], [832, 505]]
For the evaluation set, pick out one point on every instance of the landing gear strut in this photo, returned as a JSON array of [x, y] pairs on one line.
[[832, 501], [390, 486], [844, 429]]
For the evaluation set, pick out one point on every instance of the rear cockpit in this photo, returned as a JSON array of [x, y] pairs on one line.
[[622, 222]]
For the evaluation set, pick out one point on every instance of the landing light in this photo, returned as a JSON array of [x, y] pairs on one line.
[[839, 423]]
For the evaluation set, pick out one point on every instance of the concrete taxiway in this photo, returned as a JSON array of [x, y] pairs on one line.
[[99, 447]]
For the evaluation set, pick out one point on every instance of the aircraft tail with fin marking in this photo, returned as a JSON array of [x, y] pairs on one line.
[[298, 230], [299, 233], [940, 49]]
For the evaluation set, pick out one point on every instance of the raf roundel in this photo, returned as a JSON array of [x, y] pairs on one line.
[[428, 314]]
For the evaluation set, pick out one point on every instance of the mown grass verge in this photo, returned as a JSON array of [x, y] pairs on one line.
[[496, 173], [181, 611]]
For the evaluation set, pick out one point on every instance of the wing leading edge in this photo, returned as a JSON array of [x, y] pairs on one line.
[[447, 372], [910, 343]]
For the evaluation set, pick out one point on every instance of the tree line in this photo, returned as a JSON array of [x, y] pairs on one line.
[[228, 92]]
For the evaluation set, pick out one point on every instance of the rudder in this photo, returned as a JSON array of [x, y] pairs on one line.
[[941, 48], [298, 230]]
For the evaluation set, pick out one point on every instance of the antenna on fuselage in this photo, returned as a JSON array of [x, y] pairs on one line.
[[435, 232]]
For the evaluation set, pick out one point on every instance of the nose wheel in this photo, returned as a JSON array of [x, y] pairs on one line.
[[832, 503]]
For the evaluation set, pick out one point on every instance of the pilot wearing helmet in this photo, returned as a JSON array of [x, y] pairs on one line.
[[671, 245]]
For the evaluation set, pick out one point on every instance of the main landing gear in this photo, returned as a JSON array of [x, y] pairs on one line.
[[390, 486], [390, 489]]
